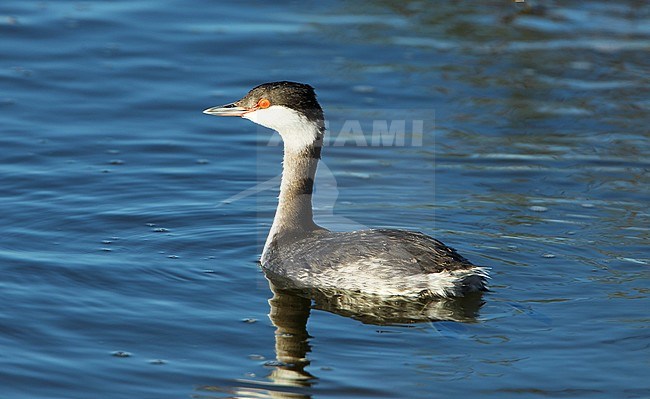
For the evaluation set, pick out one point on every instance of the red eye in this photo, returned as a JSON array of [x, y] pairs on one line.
[[264, 103]]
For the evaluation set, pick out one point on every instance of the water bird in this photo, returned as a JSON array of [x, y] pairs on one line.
[[300, 254]]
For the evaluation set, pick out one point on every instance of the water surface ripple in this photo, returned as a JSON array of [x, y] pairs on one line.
[[128, 270]]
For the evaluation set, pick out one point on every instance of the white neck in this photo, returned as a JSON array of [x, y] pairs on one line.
[[302, 140]]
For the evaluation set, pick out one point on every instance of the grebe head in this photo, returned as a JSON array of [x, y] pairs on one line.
[[290, 108]]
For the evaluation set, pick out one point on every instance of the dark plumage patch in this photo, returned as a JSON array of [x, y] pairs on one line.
[[298, 96], [407, 252], [304, 186], [313, 151]]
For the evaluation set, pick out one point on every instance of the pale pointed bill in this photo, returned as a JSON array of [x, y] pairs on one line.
[[226, 110]]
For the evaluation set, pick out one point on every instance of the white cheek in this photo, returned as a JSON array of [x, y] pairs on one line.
[[296, 131], [277, 117], [254, 117]]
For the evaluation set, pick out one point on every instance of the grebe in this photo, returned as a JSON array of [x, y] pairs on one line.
[[303, 255]]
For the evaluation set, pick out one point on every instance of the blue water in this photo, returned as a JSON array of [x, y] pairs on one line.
[[128, 270]]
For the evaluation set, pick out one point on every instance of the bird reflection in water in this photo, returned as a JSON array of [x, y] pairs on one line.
[[289, 314]]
